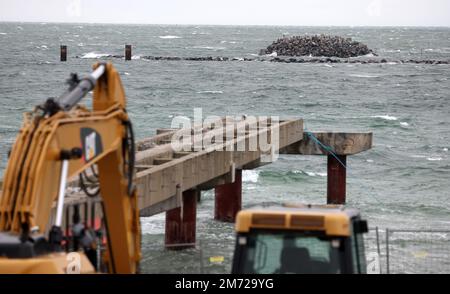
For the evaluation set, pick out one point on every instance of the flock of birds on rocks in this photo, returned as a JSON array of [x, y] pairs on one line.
[[317, 45]]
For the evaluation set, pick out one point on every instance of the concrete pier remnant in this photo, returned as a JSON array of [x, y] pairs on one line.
[[342, 144], [170, 180]]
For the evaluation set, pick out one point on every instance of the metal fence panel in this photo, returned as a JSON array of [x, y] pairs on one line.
[[419, 252], [392, 251]]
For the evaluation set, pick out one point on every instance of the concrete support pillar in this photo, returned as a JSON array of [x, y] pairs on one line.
[[181, 223], [336, 180], [229, 199]]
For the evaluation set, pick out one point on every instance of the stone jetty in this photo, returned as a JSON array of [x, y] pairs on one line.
[[317, 45], [281, 59]]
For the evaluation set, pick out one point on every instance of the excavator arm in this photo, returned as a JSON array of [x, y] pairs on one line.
[[59, 140]]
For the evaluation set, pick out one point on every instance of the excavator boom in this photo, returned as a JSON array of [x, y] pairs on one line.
[[59, 140]]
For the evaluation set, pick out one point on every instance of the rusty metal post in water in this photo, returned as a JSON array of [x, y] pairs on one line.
[[63, 53], [127, 52]]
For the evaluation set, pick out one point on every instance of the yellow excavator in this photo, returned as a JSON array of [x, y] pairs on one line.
[[300, 239], [59, 140]]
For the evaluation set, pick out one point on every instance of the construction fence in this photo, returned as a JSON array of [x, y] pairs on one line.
[[394, 251]]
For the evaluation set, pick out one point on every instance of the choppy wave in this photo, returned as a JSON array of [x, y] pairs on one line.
[[210, 92], [250, 176], [367, 76], [418, 156], [386, 117], [169, 37], [434, 158], [94, 55], [404, 124], [209, 48], [3, 34], [315, 174]]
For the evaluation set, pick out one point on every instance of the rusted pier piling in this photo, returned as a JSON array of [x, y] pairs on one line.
[[228, 199], [181, 222]]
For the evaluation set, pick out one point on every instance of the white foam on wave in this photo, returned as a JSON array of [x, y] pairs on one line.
[[369, 160], [418, 156], [135, 57], [445, 149], [210, 92], [404, 124], [434, 158], [313, 174], [209, 48], [169, 37], [386, 117], [154, 224], [3, 34], [94, 55], [310, 174], [250, 176], [366, 76]]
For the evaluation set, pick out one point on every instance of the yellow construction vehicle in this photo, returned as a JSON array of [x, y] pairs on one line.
[[300, 239], [59, 140]]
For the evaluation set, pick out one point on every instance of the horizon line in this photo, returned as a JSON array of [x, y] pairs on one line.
[[197, 24]]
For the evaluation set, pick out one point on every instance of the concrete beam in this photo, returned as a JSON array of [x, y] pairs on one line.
[[341, 143], [198, 169]]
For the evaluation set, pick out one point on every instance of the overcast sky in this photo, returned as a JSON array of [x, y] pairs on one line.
[[232, 12]]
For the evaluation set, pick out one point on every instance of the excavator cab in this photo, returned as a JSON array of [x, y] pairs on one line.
[[298, 239]]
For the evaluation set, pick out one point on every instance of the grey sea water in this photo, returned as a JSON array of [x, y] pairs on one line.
[[403, 182]]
